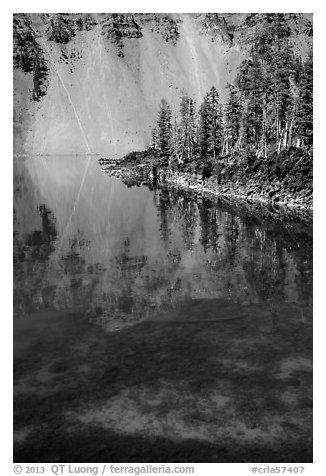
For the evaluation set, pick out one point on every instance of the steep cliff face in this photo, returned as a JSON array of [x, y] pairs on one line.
[[93, 82]]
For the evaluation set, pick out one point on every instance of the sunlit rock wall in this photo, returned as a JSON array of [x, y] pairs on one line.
[[101, 101]]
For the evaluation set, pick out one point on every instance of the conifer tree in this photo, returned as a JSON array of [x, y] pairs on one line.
[[279, 57], [177, 142], [215, 132], [232, 118], [267, 87], [187, 128], [210, 126], [204, 125], [60, 28], [164, 128], [305, 107], [249, 82]]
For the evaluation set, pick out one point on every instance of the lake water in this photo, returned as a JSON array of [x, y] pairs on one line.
[[85, 241], [150, 325]]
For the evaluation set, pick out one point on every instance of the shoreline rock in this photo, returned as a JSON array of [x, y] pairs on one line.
[[252, 193], [210, 187]]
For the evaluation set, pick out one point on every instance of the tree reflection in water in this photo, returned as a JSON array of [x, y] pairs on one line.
[[178, 248]]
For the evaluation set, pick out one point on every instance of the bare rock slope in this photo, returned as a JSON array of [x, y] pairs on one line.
[[103, 76]]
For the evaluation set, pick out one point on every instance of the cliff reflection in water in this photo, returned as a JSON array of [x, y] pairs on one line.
[[86, 242]]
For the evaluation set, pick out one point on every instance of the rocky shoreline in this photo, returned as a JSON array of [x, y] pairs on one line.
[[274, 195]]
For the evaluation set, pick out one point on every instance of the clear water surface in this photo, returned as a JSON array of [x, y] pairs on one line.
[[150, 325]]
